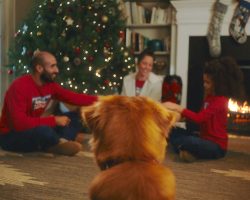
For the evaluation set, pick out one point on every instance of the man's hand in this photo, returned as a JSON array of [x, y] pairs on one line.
[[62, 120]]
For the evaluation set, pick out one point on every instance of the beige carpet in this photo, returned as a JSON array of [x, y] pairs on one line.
[[40, 176]]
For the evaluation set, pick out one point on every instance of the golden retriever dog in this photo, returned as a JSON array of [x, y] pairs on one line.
[[129, 144]]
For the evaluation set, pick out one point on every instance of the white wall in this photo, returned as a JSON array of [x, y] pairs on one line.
[[0, 44]]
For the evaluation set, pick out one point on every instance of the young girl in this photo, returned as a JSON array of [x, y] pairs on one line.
[[222, 79]]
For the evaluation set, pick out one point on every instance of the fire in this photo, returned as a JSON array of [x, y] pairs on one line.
[[235, 107]]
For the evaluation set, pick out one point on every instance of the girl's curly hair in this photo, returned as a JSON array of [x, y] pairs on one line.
[[227, 77]]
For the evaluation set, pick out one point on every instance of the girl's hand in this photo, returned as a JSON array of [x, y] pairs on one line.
[[173, 106]]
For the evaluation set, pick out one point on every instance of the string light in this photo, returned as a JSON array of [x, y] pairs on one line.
[[98, 75]]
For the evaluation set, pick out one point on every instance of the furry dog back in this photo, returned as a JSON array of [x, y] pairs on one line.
[[129, 143]]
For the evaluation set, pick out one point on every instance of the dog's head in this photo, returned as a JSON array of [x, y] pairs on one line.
[[128, 128]]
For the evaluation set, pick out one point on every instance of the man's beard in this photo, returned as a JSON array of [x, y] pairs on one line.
[[47, 77]]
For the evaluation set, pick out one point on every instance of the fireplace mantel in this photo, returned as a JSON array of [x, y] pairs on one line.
[[192, 19]]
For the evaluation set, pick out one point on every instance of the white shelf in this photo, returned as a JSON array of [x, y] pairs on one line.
[[156, 27], [156, 53], [148, 25]]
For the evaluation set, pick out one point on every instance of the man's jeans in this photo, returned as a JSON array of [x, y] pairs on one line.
[[42, 137]]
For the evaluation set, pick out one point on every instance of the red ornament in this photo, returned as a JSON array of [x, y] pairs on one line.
[[30, 53], [10, 71], [77, 50], [107, 45], [121, 34], [106, 82], [90, 58], [98, 29]]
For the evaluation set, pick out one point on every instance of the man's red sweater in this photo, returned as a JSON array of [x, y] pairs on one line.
[[25, 102], [212, 120]]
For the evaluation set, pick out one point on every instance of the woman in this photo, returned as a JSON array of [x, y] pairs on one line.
[[144, 82]]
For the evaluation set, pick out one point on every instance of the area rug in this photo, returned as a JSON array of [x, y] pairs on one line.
[[40, 176]]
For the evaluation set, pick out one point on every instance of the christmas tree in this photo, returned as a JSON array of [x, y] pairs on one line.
[[87, 38]]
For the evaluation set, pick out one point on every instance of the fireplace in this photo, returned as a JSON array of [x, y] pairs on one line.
[[191, 48]]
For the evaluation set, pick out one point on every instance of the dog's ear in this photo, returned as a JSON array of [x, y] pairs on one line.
[[91, 116], [168, 118]]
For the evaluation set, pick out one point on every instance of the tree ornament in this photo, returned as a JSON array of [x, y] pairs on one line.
[[106, 82], [69, 21], [39, 33], [77, 50], [121, 34], [98, 29], [105, 18], [77, 61], [66, 59], [10, 72], [90, 58], [126, 54], [107, 44]]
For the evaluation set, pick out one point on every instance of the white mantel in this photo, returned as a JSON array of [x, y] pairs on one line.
[[192, 19]]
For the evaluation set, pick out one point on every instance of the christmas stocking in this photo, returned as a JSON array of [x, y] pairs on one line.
[[214, 29], [239, 21]]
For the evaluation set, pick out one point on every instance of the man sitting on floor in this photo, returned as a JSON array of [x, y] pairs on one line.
[[24, 127]]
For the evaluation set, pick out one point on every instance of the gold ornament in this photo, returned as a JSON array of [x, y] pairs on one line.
[[39, 33], [69, 21], [66, 59], [126, 53], [105, 19]]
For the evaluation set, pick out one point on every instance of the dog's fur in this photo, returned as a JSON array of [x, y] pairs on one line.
[[129, 143]]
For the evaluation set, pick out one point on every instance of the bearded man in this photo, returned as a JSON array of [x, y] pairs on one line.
[[24, 126]]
